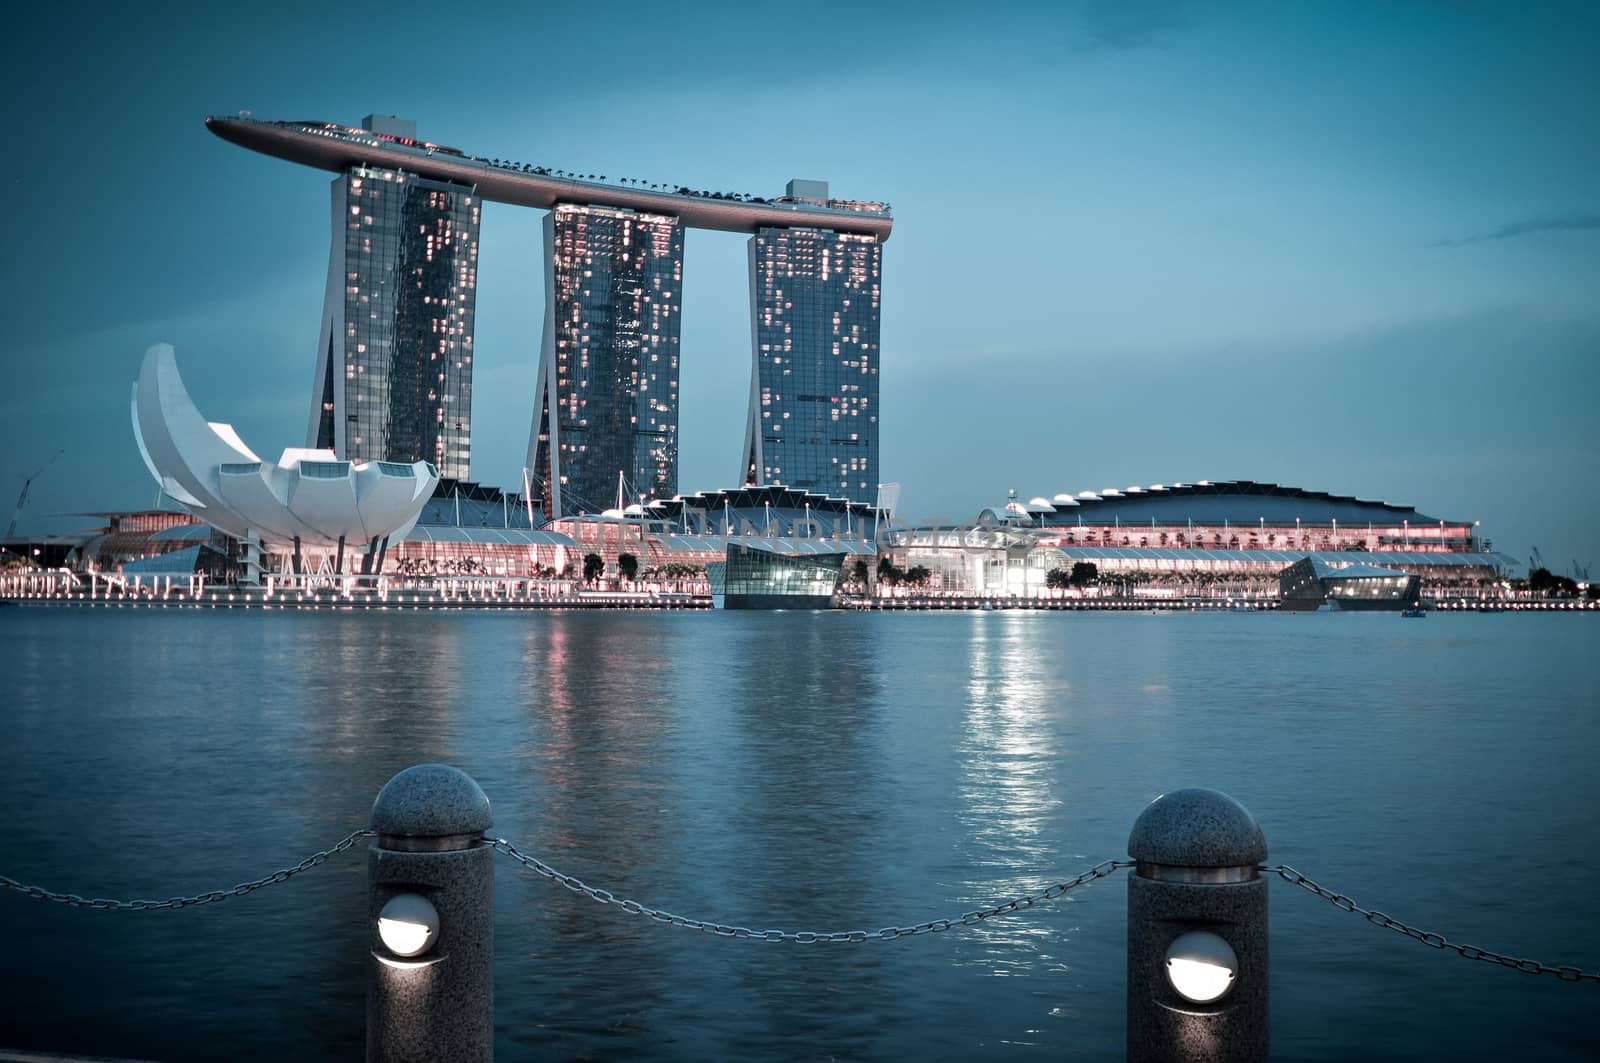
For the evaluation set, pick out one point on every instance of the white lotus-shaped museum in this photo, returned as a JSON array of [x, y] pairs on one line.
[[309, 497]]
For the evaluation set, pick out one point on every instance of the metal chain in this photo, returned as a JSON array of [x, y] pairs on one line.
[[72, 900], [806, 937], [1470, 952]]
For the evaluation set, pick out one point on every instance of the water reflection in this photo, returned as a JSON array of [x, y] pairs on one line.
[[804, 823], [1008, 756], [795, 771], [592, 774]]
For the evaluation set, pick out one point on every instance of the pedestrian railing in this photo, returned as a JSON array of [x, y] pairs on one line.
[[1197, 918]]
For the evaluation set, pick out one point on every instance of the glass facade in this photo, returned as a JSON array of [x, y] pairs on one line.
[[609, 364], [754, 578], [394, 369], [1309, 583], [813, 422]]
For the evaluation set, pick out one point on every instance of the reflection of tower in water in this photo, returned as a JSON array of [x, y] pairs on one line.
[[814, 835], [595, 742]]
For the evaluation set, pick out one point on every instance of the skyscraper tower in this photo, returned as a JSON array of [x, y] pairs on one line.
[[814, 297], [403, 273], [607, 399], [394, 361]]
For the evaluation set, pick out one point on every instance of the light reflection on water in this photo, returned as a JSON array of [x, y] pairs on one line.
[[1008, 758], [795, 771]]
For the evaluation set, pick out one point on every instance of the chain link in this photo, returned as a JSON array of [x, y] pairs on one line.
[[1438, 941], [72, 900], [806, 937]]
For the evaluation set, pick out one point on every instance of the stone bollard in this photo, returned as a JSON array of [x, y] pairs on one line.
[[430, 916], [1197, 931]]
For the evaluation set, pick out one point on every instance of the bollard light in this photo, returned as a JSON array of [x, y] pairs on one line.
[[430, 1003], [408, 924], [1200, 966]]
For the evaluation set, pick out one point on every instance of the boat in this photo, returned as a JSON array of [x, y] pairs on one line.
[[1414, 612]]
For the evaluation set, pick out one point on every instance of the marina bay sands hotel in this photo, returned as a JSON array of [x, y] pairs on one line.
[[394, 361]]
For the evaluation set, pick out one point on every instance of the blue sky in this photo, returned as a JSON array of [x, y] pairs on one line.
[[1351, 247]]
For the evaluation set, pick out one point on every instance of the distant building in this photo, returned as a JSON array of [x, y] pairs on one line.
[[1237, 515], [814, 302], [160, 542], [695, 531], [607, 401], [1312, 583], [394, 362], [469, 528], [1195, 538], [760, 577]]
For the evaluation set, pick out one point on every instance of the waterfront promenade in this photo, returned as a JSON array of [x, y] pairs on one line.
[[1189, 604], [62, 589]]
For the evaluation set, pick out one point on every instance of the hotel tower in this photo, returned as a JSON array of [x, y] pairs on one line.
[[394, 360], [813, 419], [606, 410], [394, 364]]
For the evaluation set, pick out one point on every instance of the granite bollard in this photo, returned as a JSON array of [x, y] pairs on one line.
[[430, 988], [1197, 932]]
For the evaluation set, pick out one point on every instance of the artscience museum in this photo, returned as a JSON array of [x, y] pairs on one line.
[[319, 513]]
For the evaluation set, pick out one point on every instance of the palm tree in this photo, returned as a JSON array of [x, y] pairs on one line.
[[628, 565], [593, 565]]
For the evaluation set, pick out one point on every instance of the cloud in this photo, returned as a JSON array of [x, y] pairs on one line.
[[1554, 223], [1131, 23]]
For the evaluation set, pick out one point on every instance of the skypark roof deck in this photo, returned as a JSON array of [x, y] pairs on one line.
[[335, 147]]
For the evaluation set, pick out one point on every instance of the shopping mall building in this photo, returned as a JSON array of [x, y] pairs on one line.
[[1192, 537]]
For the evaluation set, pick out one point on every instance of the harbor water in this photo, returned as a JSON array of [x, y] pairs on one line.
[[798, 771]]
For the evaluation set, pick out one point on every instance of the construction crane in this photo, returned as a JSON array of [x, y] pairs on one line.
[[22, 499]]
